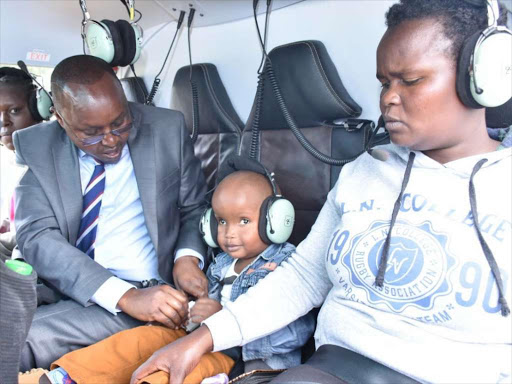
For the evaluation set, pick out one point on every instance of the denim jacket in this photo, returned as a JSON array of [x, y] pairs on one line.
[[280, 349]]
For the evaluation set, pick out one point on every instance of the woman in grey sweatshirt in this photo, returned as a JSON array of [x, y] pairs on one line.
[[426, 292]]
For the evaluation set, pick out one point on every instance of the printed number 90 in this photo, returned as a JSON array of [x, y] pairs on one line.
[[471, 279]]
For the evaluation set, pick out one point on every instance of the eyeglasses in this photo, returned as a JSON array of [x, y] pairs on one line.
[[91, 140]]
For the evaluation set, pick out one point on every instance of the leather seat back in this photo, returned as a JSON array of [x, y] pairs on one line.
[[315, 97], [133, 91], [219, 127]]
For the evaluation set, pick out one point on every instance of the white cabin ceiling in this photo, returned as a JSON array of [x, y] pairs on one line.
[[53, 26]]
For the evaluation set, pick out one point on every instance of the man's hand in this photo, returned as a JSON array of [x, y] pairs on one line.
[[162, 304], [4, 225], [203, 309], [189, 278], [178, 358]]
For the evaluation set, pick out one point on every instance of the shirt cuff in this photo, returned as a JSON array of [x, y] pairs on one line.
[[189, 252], [110, 292], [224, 329]]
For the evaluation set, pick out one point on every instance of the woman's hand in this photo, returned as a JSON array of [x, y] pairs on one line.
[[178, 358], [203, 309]]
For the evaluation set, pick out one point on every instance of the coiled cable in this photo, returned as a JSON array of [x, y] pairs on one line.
[[295, 129], [156, 81]]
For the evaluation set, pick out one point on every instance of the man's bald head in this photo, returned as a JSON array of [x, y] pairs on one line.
[[76, 74], [89, 104]]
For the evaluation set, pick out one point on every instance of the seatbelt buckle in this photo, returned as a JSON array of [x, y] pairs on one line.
[[149, 283]]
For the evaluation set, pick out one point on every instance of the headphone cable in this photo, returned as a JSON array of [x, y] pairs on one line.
[[255, 138], [156, 81], [138, 80], [193, 85], [263, 41]]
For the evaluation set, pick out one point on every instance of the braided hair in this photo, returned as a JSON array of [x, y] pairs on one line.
[[14, 77]]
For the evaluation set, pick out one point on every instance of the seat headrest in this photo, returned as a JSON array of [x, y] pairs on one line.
[[310, 86], [216, 113], [133, 91]]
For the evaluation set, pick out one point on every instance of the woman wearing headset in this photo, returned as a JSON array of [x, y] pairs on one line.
[[423, 296], [16, 89]]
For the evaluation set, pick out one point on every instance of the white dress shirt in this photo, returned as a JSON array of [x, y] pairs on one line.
[[123, 245]]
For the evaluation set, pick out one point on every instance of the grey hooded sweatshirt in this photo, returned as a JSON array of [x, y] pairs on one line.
[[437, 317]]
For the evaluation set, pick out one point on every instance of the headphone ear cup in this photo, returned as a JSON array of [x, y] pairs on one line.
[[281, 218], [116, 41], [208, 226], [492, 69], [463, 79], [127, 35], [33, 107], [139, 33], [99, 42], [262, 223], [44, 103]]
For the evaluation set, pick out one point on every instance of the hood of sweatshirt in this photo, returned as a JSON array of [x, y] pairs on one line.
[[461, 167]]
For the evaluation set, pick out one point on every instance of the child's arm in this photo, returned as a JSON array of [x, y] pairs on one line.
[[203, 309]]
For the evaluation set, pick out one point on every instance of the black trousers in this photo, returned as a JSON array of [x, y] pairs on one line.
[[331, 364]]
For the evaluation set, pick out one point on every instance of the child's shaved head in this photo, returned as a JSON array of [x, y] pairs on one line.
[[254, 185]]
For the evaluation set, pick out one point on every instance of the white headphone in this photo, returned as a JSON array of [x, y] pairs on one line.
[[119, 42], [277, 214], [484, 76]]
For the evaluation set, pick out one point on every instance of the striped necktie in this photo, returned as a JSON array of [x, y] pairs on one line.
[[91, 210]]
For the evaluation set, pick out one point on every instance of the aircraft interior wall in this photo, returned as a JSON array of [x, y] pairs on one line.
[[350, 31]]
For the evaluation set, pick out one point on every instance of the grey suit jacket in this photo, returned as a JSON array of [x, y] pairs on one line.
[[49, 198]]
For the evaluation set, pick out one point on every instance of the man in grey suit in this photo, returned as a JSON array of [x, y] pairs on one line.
[[99, 219]]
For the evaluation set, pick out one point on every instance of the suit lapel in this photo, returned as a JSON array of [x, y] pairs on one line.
[[68, 180], [141, 147]]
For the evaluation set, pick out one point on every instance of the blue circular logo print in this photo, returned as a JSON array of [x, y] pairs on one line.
[[417, 267]]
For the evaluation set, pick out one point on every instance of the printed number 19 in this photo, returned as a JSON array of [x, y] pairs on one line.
[[339, 243]]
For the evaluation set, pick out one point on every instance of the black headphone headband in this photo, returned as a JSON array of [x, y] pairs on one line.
[[234, 163], [8, 74]]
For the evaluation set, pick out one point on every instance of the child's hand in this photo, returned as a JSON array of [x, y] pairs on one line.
[[203, 309]]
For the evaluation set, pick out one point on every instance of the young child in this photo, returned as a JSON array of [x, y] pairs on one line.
[[245, 260]]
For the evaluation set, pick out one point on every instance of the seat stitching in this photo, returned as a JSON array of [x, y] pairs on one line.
[[214, 96], [346, 108], [314, 52]]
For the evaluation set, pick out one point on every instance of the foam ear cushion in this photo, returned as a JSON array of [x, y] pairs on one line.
[[129, 42], [499, 117], [116, 40], [214, 227], [262, 224], [32, 105], [463, 78]]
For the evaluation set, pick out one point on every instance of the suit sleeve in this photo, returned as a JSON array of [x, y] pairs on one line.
[[42, 244], [192, 195]]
